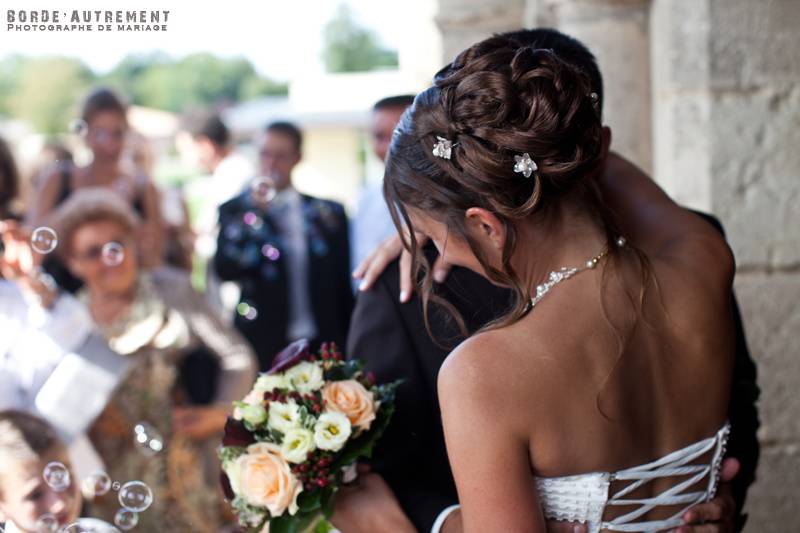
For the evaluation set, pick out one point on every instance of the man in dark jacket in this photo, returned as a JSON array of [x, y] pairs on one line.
[[289, 253]]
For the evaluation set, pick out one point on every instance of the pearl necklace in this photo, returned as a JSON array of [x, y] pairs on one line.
[[564, 273]]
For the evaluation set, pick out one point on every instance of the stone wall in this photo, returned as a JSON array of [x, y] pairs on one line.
[[706, 94]]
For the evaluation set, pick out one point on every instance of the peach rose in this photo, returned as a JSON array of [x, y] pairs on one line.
[[351, 399], [264, 479]]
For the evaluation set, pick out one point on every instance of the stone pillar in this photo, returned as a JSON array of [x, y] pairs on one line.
[[617, 32], [465, 22], [726, 76]]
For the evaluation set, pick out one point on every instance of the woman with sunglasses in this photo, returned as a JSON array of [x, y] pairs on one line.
[[156, 319], [104, 127]]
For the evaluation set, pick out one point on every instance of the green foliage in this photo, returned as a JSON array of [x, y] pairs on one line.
[[45, 91], [197, 80], [351, 48]]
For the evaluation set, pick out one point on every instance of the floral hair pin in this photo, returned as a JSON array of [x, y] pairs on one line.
[[443, 147], [525, 165]]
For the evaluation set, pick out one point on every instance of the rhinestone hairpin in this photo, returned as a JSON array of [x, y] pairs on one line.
[[525, 165], [443, 148]]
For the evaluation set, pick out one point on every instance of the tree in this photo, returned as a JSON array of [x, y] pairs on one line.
[[351, 48], [197, 80], [47, 90]]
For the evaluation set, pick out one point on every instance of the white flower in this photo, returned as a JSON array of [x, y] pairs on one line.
[[284, 416], [297, 444], [332, 431], [270, 382], [525, 165], [305, 377], [254, 397], [254, 414], [232, 470]]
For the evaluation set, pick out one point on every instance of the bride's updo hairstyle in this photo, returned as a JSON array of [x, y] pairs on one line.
[[497, 100]]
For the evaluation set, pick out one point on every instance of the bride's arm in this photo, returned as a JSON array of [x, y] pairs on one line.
[[488, 451]]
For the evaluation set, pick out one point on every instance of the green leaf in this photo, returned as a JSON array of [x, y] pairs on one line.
[[323, 526], [362, 446], [327, 502], [230, 453], [309, 501], [284, 524]]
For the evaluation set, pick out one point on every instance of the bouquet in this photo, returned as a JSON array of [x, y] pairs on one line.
[[294, 439]]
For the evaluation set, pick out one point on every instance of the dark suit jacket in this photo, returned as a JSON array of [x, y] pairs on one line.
[[392, 339], [249, 250]]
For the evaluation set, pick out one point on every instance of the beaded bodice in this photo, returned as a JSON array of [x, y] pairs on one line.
[[585, 497]]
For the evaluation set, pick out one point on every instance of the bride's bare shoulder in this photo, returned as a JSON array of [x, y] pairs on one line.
[[493, 364]]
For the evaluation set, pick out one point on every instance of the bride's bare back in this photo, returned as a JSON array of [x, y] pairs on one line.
[[587, 381]]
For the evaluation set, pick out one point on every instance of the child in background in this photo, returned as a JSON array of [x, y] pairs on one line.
[[27, 445]]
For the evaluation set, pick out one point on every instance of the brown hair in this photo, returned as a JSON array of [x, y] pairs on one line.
[[100, 100], [24, 437], [9, 179], [499, 100], [91, 204]]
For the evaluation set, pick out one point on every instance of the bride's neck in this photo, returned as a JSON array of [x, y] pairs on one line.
[[568, 239]]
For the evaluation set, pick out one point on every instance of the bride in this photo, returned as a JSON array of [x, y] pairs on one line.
[[601, 396]]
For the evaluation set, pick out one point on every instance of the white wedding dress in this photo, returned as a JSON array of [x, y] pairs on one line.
[[585, 497]]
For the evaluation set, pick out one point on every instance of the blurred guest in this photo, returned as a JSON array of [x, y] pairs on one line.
[[229, 172], [229, 169], [27, 445], [104, 127], [53, 154], [154, 317], [9, 181], [372, 223], [41, 328], [288, 252]]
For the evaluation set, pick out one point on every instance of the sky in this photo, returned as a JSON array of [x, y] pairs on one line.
[[281, 38]]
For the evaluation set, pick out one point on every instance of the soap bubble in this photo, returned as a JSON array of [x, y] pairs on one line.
[[47, 523], [262, 189], [125, 519], [56, 476], [135, 496], [78, 126], [270, 252], [44, 240], [247, 310], [148, 438], [74, 528], [115, 486], [96, 484], [113, 253]]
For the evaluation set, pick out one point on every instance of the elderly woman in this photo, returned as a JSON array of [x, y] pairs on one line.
[[154, 318]]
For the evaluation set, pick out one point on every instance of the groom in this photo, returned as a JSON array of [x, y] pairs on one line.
[[412, 482]]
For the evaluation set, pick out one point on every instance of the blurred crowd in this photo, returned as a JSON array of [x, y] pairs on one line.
[[111, 359]]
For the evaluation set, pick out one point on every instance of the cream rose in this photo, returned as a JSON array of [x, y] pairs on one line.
[[353, 400], [332, 431], [305, 377], [264, 479], [297, 444], [284, 416]]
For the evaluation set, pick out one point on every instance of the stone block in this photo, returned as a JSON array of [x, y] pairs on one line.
[[771, 315], [772, 500]]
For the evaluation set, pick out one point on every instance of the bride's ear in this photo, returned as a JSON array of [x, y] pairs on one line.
[[486, 227]]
